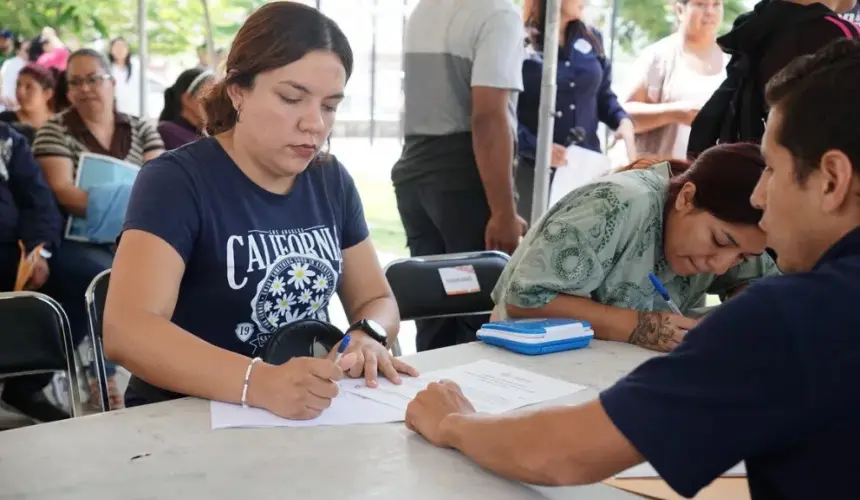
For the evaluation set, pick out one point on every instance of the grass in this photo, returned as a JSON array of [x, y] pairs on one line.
[[380, 210]]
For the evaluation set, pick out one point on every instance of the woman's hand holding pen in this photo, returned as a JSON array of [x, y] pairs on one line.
[[660, 331], [301, 388]]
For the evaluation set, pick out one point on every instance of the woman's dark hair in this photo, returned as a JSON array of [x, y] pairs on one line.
[[98, 56], [127, 61], [277, 34], [725, 177], [61, 93], [534, 13], [35, 50], [46, 78], [189, 81]]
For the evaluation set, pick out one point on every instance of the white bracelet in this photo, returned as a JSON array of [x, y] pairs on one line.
[[247, 378]]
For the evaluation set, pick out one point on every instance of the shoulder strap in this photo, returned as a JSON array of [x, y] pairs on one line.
[[849, 29]]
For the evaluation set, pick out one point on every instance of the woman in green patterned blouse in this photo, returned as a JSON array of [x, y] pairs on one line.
[[691, 225]]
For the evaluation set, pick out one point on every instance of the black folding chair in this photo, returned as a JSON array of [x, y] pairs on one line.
[[95, 298], [420, 293], [36, 338]]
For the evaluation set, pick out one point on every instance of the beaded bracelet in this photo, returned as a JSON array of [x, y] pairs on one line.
[[247, 378]]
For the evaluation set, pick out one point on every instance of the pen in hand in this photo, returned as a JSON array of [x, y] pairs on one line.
[[342, 348], [663, 293]]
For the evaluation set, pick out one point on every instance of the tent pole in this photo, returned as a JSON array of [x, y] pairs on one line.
[[144, 57], [546, 116]]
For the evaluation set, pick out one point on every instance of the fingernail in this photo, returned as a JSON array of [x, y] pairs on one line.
[[371, 383], [397, 380]]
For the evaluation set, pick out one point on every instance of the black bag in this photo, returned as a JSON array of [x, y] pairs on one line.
[[737, 110]]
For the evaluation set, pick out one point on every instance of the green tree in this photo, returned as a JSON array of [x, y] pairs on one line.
[[173, 26], [646, 21], [640, 22]]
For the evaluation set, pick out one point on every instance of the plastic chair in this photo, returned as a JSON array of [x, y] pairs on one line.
[[420, 294], [37, 338], [95, 298]]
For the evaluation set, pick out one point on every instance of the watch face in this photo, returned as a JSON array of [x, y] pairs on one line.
[[377, 328]]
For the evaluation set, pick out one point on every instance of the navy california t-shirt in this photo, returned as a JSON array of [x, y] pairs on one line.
[[254, 260]]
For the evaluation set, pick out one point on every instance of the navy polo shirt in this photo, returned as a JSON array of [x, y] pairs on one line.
[[770, 378]]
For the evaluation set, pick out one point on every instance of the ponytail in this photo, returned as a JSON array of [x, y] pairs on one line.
[[172, 105], [220, 114]]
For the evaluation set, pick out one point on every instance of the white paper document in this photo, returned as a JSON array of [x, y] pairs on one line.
[[645, 470], [345, 409], [491, 387], [583, 166]]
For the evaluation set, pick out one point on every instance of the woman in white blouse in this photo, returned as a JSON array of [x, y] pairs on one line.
[[125, 72], [676, 77]]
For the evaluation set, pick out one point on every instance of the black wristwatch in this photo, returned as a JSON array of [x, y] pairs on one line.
[[373, 329]]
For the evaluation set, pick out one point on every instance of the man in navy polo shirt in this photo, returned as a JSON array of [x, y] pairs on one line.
[[769, 378]]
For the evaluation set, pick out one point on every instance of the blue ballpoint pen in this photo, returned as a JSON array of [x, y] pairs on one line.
[[663, 293], [342, 347]]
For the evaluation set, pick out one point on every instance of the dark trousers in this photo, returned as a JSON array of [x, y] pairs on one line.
[[444, 219], [524, 183]]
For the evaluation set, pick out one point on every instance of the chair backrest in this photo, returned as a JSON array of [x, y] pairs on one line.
[[418, 286], [95, 299], [36, 338]]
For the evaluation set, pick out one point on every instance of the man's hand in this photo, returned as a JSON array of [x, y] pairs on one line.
[[504, 232], [40, 275], [427, 413]]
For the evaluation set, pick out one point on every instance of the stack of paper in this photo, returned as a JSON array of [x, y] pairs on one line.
[[491, 387]]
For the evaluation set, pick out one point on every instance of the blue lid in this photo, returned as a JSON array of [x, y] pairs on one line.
[[533, 326]]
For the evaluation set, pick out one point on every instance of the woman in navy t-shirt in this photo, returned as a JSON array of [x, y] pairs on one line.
[[228, 238]]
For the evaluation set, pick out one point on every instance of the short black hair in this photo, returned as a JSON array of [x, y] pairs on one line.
[[816, 94]]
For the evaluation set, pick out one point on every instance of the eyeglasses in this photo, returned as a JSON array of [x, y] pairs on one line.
[[91, 80]]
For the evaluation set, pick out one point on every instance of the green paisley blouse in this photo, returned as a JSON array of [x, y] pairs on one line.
[[601, 241]]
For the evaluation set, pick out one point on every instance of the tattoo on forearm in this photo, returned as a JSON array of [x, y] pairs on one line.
[[652, 330]]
